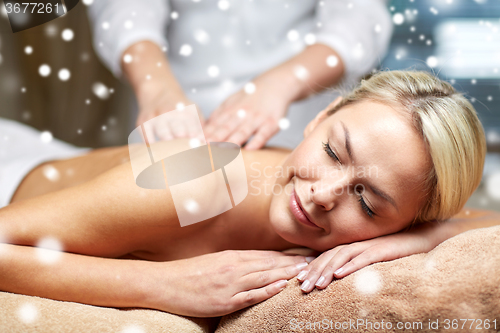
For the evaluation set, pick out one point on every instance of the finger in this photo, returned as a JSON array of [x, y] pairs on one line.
[[215, 120], [242, 133], [194, 131], [340, 255], [320, 272], [262, 278], [324, 257], [224, 130], [273, 262], [265, 132], [310, 275], [246, 298], [342, 267], [178, 128], [149, 132], [249, 255], [163, 131], [251, 125], [367, 257]]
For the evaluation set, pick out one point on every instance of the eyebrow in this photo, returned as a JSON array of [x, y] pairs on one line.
[[347, 142], [382, 194], [373, 188]]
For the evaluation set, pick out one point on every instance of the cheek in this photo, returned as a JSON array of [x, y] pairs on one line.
[[348, 227]]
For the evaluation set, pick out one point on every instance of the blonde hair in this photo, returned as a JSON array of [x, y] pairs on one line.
[[449, 126]]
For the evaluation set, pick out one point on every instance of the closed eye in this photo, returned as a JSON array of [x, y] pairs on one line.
[[362, 201], [365, 207], [329, 151]]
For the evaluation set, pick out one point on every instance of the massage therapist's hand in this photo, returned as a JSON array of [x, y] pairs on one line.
[[147, 69], [219, 283], [346, 259], [156, 99], [263, 107], [255, 110]]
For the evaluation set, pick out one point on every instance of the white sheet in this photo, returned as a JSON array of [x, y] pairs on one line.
[[21, 150]]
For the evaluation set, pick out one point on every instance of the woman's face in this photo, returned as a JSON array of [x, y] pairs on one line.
[[357, 175]]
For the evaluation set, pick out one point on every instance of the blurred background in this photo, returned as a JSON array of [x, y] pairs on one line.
[[51, 79]]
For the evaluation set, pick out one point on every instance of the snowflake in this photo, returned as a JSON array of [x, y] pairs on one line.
[[44, 70], [64, 74], [67, 35]]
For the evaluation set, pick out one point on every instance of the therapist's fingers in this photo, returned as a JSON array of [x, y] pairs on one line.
[[193, 127], [211, 122], [248, 128], [264, 133], [242, 133], [225, 128], [178, 127], [149, 132], [215, 121], [163, 131]]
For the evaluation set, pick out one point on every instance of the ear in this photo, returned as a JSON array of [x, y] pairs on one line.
[[322, 115]]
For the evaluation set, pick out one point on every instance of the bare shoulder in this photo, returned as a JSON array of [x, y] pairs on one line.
[[268, 155]]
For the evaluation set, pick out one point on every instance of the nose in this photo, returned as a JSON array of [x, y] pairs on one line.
[[328, 193]]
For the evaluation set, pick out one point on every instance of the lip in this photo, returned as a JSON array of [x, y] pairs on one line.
[[298, 211]]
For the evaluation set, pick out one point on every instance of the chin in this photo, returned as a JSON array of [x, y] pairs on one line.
[[284, 224]]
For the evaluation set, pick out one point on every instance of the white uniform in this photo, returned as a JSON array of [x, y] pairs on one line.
[[240, 39]]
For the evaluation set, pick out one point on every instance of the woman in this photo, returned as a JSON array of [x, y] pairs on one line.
[[401, 149]]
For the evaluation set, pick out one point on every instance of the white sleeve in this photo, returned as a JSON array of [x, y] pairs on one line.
[[358, 30], [117, 24]]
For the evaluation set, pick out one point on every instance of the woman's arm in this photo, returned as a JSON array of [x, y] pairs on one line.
[[467, 219], [71, 277], [117, 24], [207, 286], [157, 89], [346, 259]]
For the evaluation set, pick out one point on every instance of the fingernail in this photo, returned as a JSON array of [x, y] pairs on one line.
[[282, 284], [301, 265], [302, 275], [309, 259], [320, 281], [304, 285], [338, 271]]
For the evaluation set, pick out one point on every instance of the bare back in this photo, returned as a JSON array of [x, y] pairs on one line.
[[97, 196]]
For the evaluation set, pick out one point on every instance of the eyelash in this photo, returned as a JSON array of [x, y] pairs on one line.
[[364, 206], [329, 151]]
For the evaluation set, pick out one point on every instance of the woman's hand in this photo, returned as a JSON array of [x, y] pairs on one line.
[[250, 112], [156, 99], [147, 69], [346, 259], [219, 283], [298, 77]]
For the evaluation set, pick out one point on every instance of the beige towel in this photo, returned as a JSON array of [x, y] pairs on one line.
[[25, 314], [432, 292]]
